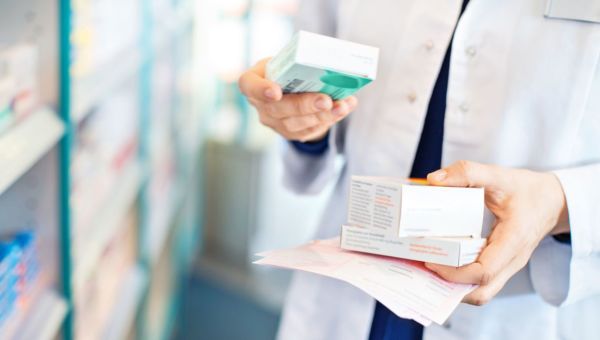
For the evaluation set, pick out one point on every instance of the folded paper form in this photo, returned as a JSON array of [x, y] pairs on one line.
[[407, 288]]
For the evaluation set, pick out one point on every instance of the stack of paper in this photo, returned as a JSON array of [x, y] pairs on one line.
[[406, 287]]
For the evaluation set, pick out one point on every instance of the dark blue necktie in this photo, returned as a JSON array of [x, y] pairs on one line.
[[386, 325]]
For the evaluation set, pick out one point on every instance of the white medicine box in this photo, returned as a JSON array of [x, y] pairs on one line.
[[394, 206]]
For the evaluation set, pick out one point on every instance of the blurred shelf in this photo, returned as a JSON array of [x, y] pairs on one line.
[[44, 319], [26, 143], [183, 17], [125, 310], [108, 222], [159, 230], [89, 90]]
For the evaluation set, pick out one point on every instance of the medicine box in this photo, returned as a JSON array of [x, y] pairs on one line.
[[449, 251], [396, 207], [317, 63], [18, 81]]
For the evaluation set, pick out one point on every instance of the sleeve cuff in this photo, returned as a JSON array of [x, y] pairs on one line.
[[317, 148], [309, 173], [561, 273]]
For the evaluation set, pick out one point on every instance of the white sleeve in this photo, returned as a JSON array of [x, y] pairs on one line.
[[309, 174], [318, 16], [561, 273]]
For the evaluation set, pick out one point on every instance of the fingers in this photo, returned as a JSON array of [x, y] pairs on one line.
[[256, 87], [465, 174], [339, 110], [498, 255], [300, 123], [484, 293], [302, 116], [300, 105]]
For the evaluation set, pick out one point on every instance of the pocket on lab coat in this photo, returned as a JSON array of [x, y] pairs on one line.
[[579, 10]]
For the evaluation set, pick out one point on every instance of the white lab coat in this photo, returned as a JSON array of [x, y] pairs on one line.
[[524, 91]]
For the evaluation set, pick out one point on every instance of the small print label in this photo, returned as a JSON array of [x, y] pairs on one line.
[[293, 85]]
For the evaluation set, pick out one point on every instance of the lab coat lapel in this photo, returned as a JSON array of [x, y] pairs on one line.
[[402, 104]]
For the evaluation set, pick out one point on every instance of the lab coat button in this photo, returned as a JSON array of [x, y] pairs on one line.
[[429, 45], [471, 51], [411, 97], [464, 107]]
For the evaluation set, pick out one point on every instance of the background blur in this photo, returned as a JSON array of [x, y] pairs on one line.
[[135, 181]]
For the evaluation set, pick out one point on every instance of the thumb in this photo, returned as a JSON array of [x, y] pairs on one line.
[[254, 84], [463, 174]]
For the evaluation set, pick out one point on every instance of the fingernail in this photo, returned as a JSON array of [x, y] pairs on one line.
[[270, 93], [439, 175], [350, 101], [322, 104]]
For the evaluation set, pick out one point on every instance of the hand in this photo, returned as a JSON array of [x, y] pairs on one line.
[[527, 205], [302, 117]]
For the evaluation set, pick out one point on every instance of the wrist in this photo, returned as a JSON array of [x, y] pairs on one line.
[[314, 147], [317, 139], [560, 223]]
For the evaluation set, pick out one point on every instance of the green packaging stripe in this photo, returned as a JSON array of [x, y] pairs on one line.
[[339, 86]]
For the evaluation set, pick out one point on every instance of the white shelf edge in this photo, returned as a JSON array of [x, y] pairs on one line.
[[161, 233], [177, 196], [127, 303], [26, 143], [107, 223], [90, 89], [45, 317]]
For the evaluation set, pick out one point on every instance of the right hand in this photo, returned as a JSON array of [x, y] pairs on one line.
[[300, 117]]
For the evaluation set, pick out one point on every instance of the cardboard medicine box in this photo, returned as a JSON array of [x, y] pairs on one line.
[[395, 206], [317, 63], [449, 251]]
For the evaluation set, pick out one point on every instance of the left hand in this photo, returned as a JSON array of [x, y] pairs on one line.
[[527, 205]]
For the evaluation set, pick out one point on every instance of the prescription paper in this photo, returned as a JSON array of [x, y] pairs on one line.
[[406, 287]]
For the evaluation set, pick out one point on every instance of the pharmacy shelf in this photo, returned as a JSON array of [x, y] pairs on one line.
[[183, 17], [26, 143], [108, 222], [161, 227], [88, 91], [129, 299], [45, 318]]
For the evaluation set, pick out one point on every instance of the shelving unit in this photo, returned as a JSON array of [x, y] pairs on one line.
[[91, 89], [123, 315], [160, 229], [45, 158], [45, 318], [107, 223], [26, 143]]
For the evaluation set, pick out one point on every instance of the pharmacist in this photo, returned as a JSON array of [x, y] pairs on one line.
[[501, 94]]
